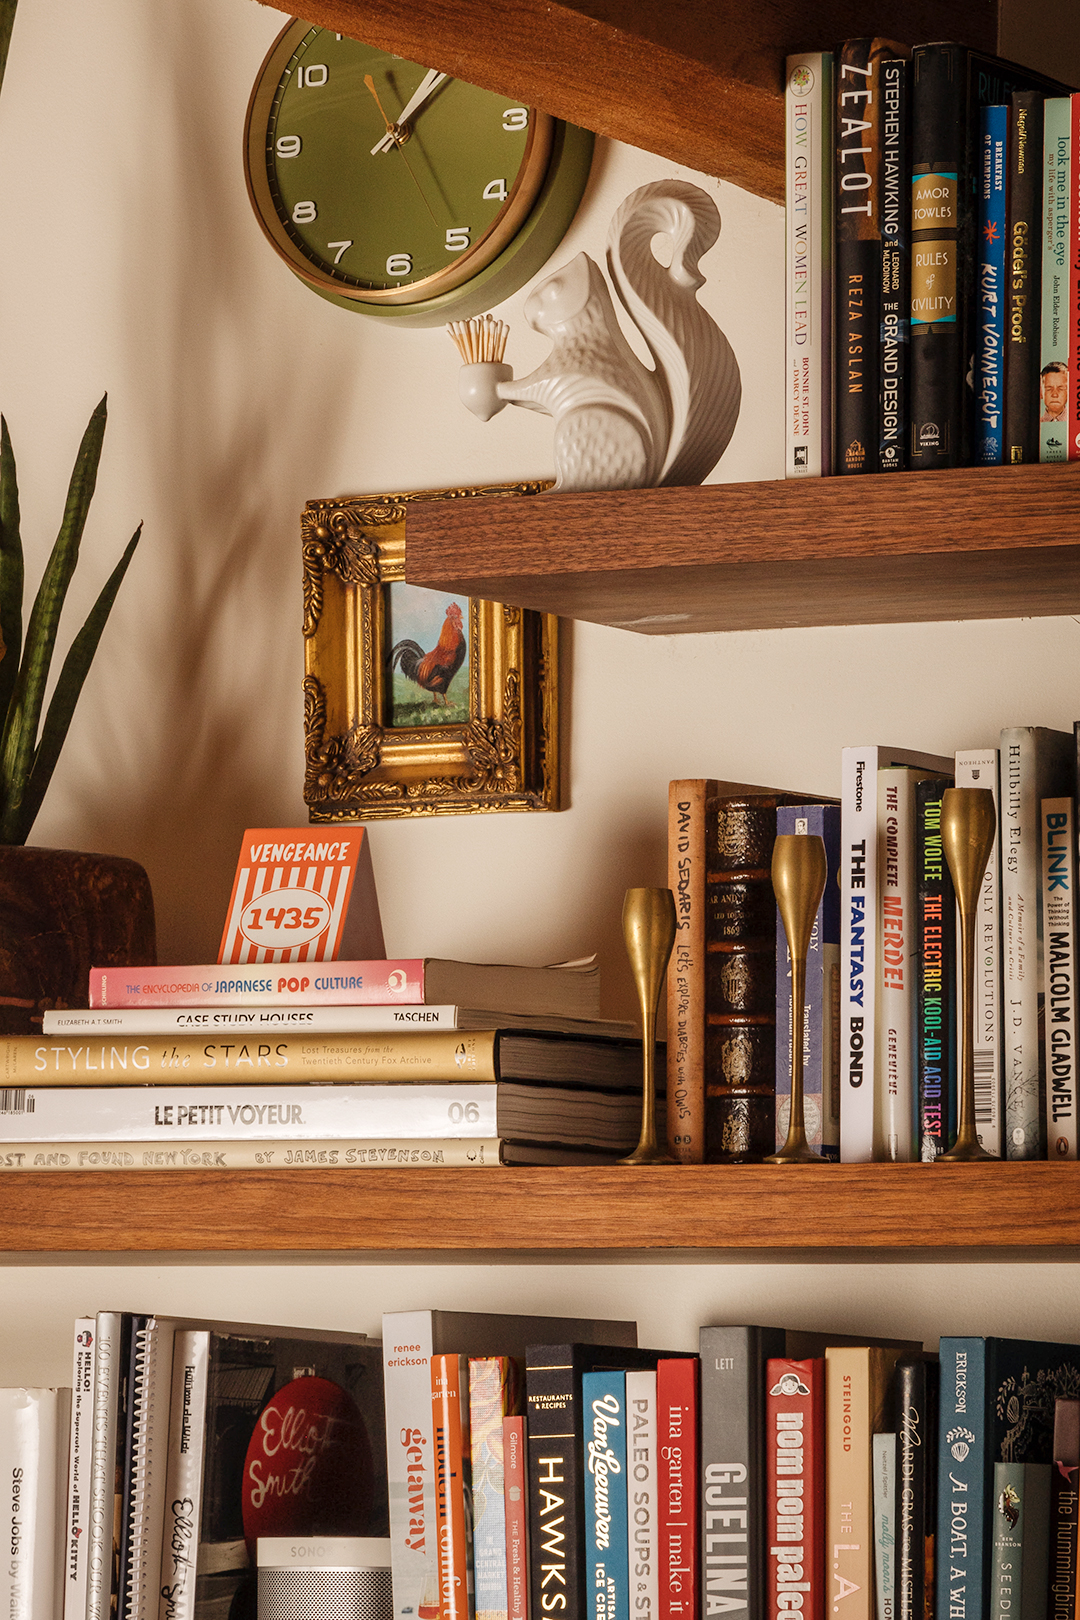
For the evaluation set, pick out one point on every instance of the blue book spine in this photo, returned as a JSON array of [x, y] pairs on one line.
[[821, 1010], [963, 1549], [990, 345], [607, 1581]]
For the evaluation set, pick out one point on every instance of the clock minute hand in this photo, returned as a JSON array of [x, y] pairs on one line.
[[427, 87]]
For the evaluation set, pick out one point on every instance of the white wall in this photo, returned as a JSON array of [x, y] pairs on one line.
[[130, 260]]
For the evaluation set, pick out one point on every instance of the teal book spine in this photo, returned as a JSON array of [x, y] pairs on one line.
[[606, 1544]]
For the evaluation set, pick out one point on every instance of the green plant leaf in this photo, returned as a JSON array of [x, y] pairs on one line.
[[24, 710], [66, 695], [7, 20], [11, 571]]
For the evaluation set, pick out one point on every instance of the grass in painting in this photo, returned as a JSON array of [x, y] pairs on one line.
[[412, 706]]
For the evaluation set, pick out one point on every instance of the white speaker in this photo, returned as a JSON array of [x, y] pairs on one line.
[[325, 1578]]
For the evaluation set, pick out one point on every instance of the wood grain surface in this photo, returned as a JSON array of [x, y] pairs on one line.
[[759, 1208], [695, 81], [976, 543]]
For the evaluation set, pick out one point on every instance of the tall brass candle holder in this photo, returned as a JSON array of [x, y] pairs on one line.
[[968, 825], [799, 870], [648, 922]]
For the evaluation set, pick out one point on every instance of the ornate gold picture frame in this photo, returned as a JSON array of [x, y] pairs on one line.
[[416, 704]]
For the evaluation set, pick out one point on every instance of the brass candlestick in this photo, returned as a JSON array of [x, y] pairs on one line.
[[968, 825], [648, 922], [799, 870]]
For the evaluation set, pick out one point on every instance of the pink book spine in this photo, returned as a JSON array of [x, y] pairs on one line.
[[1073, 409], [517, 1519], [677, 1386], [795, 1485], [307, 984]]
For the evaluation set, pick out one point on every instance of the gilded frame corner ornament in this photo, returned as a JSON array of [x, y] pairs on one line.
[[504, 757]]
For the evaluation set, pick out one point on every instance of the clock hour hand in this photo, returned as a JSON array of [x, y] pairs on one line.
[[427, 87]]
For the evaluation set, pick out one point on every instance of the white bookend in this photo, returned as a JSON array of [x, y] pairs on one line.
[[77, 1512], [978, 767], [860, 936], [643, 1495], [808, 375], [183, 1475], [34, 1426], [1059, 975]]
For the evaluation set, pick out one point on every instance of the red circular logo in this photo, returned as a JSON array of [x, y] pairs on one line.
[[308, 1469]]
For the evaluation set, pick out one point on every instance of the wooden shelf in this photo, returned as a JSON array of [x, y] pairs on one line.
[[978, 543], [694, 81], [915, 1211]]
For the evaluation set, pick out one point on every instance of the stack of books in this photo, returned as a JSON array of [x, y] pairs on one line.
[[412, 1062], [932, 281]]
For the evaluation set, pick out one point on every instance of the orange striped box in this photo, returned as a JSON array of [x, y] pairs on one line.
[[292, 893]]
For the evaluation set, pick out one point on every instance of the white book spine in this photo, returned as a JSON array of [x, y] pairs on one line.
[[642, 1495], [1057, 328], [809, 139], [33, 1452], [284, 1154], [77, 1512], [170, 1114], [1059, 972], [895, 1058], [245, 1020], [407, 1351], [978, 767], [107, 1373], [184, 1474]]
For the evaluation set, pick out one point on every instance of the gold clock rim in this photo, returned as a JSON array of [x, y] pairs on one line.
[[527, 187]]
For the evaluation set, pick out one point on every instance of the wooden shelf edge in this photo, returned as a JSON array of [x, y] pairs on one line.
[[524, 1212]]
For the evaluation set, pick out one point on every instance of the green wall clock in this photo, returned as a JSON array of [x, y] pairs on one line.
[[398, 191]]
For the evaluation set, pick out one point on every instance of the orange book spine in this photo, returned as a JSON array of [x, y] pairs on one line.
[[450, 1426]]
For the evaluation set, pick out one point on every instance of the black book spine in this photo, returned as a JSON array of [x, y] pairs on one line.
[[733, 1473], [935, 976], [915, 1389], [1023, 276], [857, 205], [895, 277]]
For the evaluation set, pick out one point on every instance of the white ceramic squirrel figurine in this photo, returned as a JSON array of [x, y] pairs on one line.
[[618, 424]]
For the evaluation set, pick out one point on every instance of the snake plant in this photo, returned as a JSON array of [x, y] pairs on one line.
[[27, 755]]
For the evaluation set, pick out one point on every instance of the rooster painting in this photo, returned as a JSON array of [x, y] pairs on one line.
[[433, 671]]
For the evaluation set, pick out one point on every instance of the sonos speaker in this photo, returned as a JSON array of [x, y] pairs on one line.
[[325, 1578]]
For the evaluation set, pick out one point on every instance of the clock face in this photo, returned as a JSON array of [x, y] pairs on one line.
[[384, 183]]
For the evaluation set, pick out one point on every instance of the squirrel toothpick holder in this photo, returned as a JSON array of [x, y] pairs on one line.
[[618, 423]]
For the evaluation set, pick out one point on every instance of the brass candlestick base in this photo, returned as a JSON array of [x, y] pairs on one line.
[[648, 921], [968, 824], [799, 869]]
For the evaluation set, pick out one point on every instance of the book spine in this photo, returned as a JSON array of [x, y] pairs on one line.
[[603, 1399], [166, 1115], [517, 1519], [112, 1341], [856, 1380], [436, 1055], [916, 1519], [1073, 413], [450, 1434], [398, 982], [493, 1386], [1007, 1566], [935, 978], [795, 1482], [733, 1467], [257, 1021], [821, 1009], [937, 162], [979, 768], [894, 1057], [642, 1488], [78, 1502], [1056, 347], [857, 204], [1064, 1510], [33, 1423], [960, 1584], [1036, 1541], [184, 1474], [809, 128], [1023, 281], [990, 289], [283, 1153], [686, 972], [556, 1486], [133, 1526], [407, 1349], [883, 1455], [895, 264], [859, 922], [1059, 975], [677, 1417]]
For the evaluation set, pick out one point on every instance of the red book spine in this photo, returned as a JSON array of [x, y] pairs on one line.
[[677, 1400], [515, 1488], [795, 1476], [1073, 408], [450, 1428]]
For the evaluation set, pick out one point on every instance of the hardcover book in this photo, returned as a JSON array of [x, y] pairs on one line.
[[1055, 385], [642, 1483], [821, 1010], [990, 288], [795, 1482], [978, 767], [1060, 1010], [496, 1387], [915, 1409], [1021, 1520], [935, 977], [678, 1397], [857, 1388], [809, 121], [603, 1399], [1064, 1507], [895, 263], [33, 1478], [517, 1519], [1023, 279], [77, 1510], [453, 1490], [883, 1461]]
